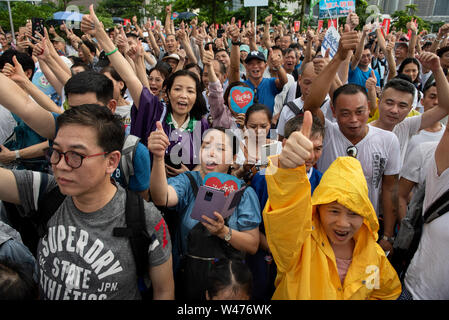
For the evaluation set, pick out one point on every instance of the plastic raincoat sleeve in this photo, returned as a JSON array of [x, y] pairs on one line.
[[288, 213], [390, 286]]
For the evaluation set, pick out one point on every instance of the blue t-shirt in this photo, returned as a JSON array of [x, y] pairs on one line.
[[245, 217], [138, 182], [266, 92], [259, 184], [359, 77]]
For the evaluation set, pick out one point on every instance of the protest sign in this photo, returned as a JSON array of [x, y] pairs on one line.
[[331, 40]]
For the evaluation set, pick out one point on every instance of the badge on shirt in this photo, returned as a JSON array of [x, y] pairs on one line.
[[241, 99], [222, 181]]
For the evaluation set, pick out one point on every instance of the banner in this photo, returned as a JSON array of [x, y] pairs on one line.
[[320, 25], [297, 26], [331, 40], [336, 8], [386, 26]]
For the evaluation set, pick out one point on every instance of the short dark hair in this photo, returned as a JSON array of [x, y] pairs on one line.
[[348, 89], [91, 81], [442, 51], [163, 67], [24, 59], [92, 47], [400, 85], [295, 124], [255, 108], [110, 129], [220, 50], [115, 76], [199, 107], [15, 284], [428, 86], [229, 273], [80, 64]]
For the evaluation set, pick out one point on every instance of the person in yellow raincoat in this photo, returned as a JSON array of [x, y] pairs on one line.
[[325, 246]]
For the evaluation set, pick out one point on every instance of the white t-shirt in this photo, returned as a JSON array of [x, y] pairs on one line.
[[7, 124], [405, 130], [378, 153], [280, 97], [418, 161], [425, 136], [427, 277]]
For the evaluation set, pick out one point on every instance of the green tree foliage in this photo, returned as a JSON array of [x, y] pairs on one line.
[[22, 11], [402, 17], [123, 9]]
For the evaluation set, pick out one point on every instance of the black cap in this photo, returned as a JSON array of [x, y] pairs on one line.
[[255, 55]]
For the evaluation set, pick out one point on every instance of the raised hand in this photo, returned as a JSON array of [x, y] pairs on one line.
[[269, 19], [348, 41], [371, 82], [353, 20], [429, 61], [298, 148], [15, 72], [90, 23], [208, 56], [275, 59], [158, 142]]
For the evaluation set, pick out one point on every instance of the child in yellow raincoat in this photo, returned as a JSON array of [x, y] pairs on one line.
[[325, 246]]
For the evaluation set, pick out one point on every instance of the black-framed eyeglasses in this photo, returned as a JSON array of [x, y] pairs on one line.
[[352, 151], [73, 159]]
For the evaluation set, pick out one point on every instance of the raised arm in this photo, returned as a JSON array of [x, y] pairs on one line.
[[17, 101], [8, 187], [17, 74], [234, 68], [432, 61], [413, 39], [359, 50], [266, 32], [276, 63], [116, 58], [161, 192], [182, 37], [321, 85]]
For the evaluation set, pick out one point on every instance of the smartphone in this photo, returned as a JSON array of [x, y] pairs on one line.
[[37, 26]]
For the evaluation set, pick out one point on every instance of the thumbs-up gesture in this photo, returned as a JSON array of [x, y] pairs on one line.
[[298, 148], [348, 41], [90, 23], [234, 33], [208, 56], [15, 72], [371, 82], [158, 141]]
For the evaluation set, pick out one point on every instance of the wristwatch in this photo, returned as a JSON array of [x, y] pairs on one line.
[[228, 235], [17, 154], [237, 43], [389, 239]]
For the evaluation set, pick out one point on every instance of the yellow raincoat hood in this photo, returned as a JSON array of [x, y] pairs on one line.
[[345, 183], [305, 260]]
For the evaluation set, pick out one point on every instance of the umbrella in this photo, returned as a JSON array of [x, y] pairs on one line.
[[186, 15], [68, 16], [117, 20]]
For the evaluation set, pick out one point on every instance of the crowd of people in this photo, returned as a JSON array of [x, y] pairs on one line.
[[330, 153]]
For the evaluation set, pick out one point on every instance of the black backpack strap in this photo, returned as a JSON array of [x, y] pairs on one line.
[[437, 208], [136, 231], [193, 183], [294, 108], [47, 206]]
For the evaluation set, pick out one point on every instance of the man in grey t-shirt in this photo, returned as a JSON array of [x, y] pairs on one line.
[[79, 258]]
